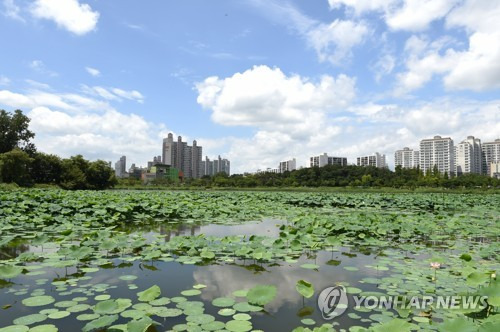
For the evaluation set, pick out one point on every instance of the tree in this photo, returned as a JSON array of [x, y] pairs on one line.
[[73, 173], [14, 132], [46, 168], [100, 176], [15, 166]]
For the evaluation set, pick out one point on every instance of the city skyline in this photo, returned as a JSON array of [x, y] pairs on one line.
[[267, 80], [469, 155]]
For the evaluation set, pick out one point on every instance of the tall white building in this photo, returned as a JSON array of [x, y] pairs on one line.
[[407, 158], [491, 154], [182, 156], [121, 167], [376, 160], [439, 152], [288, 165], [324, 159], [468, 156]]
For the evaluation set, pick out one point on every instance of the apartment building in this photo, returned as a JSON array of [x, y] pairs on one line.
[[324, 159], [376, 160], [407, 158], [438, 151], [468, 156]]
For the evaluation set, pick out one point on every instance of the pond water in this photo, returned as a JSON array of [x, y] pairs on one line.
[[72, 279], [285, 312]]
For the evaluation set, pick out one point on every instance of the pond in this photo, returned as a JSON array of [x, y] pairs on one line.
[[90, 270]]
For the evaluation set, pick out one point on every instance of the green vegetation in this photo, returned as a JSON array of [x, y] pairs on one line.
[[22, 165], [331, 176], [109, 259]]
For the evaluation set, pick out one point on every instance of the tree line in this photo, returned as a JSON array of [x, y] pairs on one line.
[[349, 176], [22, 164]]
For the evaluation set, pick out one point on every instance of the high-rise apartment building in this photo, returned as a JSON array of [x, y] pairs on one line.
[[439, 152], [121, 167], [181, 156], [324, 159], [490, 154], [407, 158], [468, 156], [288, 165], [376, 160], [212, 167]]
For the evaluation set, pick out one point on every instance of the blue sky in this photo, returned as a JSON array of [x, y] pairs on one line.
[[256, 81]]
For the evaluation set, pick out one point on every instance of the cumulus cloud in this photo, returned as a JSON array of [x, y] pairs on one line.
[[93, 72], [291, 113], [266, 97], [67, 124], [76, 17]]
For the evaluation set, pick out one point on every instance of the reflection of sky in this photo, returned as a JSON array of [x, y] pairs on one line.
[[221, 279], [267, 227], [225, 279]]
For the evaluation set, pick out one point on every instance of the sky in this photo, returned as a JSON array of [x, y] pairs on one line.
[[255, 81]]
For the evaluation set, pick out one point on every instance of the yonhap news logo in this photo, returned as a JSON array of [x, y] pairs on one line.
[[332, 302]]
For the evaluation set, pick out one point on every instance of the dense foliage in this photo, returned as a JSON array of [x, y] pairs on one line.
[[111, 257], [21, 164], [337, 176]]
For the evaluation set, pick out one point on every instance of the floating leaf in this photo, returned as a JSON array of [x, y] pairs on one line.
[[261, 294], [149, 294], [223, 302], [38, 301], [30, 319], [100, 323], [306, 289], [10, 271], [238, 325]]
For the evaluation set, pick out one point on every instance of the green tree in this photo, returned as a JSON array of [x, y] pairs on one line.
[[15, 167], [14, 132], [73, 173], [100, 176], [46, 168]]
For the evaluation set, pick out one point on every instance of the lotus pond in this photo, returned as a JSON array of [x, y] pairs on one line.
[[243, 261]]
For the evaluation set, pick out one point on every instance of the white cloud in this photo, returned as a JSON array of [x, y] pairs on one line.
[[416, 15], [266, 97], [39, 66], [38, 85], [113, 93], [69, 14], [410, 15], [12, 10], [384, 66], [332, 42], [361, 6], [15, 100], [474, 68], [92, 71], [67, 124], [132, 95], [106, 135]]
